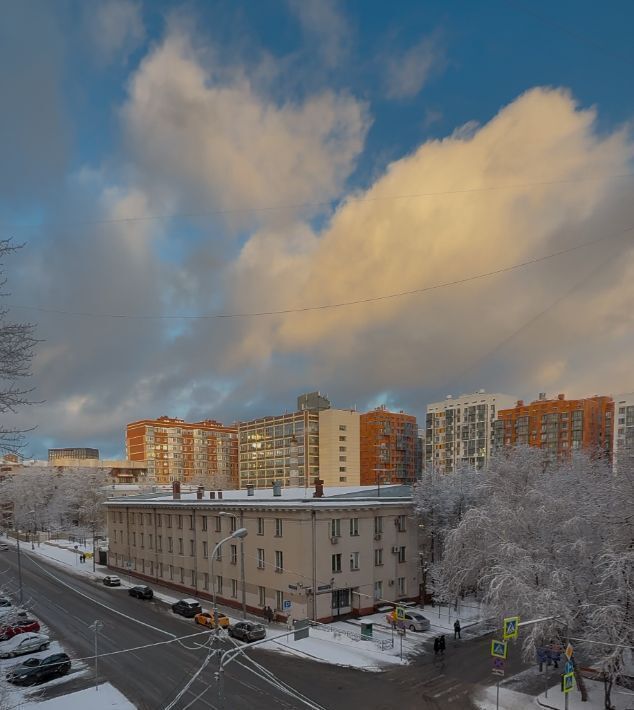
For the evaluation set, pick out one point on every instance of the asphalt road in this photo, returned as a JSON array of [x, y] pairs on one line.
[[152, 677]]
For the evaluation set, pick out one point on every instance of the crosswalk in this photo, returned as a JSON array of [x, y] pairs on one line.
[[441, 688]]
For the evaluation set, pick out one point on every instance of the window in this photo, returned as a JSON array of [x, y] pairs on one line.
[[260, 526], [354, 561], [354, 527], [260, 558], [233, 525], [400, 587], [180, 522], [115, 536], [205, 551], [279, 561], [171, 572], [401, 553], [279, 600], [279, 526], [141, 538], [342, 469], [170, 546], [191, 522], [192, 550], [193, 578], [219, 554], [234, 554], [159, 543], [182, 575], [219, 584], [234, 588], [401, 523], [342, 458], [378, 557], [150, 541], [206, 580], [218, 520], [378, 590], [343, 479], [134, 538], [336, 562], [378, 525], [342, 438], [204, 522], [180, 545], [169, 520], [262, 596], [342, 427], [335, 527]]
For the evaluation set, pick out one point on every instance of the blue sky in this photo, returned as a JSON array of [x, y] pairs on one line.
[[217, 112]]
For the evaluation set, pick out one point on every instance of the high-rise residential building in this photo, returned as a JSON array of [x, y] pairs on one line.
[[389, 441], [459, 430], [623, 440], [175, 450], [558, 425], [297, 448], [72, 453]]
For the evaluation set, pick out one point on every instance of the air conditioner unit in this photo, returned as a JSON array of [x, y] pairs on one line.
[[390, 583], [378, 536], [395, 549], [334, 540]]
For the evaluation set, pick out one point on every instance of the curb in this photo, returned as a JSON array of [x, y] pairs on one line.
[[545, 705]]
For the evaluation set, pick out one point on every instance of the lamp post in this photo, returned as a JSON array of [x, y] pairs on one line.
[[242, 577], [239, 534]]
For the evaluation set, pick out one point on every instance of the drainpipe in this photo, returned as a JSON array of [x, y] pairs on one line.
[[314, 541]]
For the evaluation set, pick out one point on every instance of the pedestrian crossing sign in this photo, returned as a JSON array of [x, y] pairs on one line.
[[568, 681], [511, 627], [498, 649], [400, 613]]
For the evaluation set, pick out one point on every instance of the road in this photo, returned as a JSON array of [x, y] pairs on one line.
[[152, 677]]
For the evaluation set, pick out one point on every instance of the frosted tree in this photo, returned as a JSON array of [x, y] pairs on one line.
[[17, 343], [552, 540]]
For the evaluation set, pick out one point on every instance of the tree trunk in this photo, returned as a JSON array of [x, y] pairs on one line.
[[581, 684]]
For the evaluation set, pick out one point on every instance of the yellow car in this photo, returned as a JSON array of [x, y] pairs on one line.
[[207, 619]]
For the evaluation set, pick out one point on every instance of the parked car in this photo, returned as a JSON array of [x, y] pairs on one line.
[[112, 580], [20, 626], [24, 643], [141, 592], [412, 621], [206, 618], [5, 602], [247, 631], [39, 670], [3, 546], [11, 613], [187, 607]]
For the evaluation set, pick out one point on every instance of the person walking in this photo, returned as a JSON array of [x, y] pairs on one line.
[[456, 629], [436, 645], [442, 645], [269, 614]]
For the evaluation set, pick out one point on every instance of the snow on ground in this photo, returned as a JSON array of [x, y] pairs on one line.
[[106, 698], [485, 699], [621, 697]]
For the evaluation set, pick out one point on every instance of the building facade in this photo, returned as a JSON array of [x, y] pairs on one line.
[[623, 439], [330, 556], [559, 425], [72, 453], [389, 442], [339, 456], [175, 450], [459, 430]]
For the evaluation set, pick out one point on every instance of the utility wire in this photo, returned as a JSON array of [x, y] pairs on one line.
[[327, 306], [306, 205]]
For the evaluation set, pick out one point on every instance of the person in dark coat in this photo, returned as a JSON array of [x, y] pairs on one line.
[[436, 645], [442, 645], [456, 629]]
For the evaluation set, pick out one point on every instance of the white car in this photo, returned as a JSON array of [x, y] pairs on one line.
[[12, 611], [24, 643], [3, 546], [412, 620]]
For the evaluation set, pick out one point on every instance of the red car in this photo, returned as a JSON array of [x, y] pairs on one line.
[[8, 632]]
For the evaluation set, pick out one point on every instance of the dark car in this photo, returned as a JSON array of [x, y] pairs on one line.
[[141, 592], [112, 580], [247, 631], [187, 607], [4, 602], [20, 626], [39, 670]]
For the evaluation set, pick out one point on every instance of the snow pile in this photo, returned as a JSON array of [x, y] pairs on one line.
[[106, 698]]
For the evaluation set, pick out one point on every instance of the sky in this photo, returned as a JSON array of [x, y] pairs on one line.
[[225, 204]]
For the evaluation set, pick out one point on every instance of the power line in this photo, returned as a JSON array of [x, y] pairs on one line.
[[306, 205], [322, 307]]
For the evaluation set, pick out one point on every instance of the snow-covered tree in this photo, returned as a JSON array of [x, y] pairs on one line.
[[552, 540]]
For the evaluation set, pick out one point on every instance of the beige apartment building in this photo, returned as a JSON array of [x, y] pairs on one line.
[[339, 454], [344, 553]]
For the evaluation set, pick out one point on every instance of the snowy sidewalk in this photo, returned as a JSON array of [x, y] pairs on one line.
[[622, 699]]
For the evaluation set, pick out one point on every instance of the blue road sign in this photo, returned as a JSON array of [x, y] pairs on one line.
[[569, 668], [511, 627], [287, 604], [568, 681], [498, 649]]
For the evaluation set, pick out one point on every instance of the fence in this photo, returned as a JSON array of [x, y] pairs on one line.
[[381, 644]]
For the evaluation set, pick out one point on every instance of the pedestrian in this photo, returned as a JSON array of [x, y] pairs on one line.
[[269, 614], [456, 629], [442, 645], [436, 645]]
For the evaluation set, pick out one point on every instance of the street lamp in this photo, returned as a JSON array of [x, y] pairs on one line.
[[242, 578], [240, 533]]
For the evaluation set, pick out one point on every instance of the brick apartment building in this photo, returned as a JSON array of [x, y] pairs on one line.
[[558, 425], [176, 450], [389, 447]]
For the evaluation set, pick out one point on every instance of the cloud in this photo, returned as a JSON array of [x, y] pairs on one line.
[[381, 242], [406, 73], [115, 28], [323, 22], [204, 134]]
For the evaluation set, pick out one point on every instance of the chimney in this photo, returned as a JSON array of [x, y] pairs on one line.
[[176, 490], [277, 489], [219, 495], [212, 495], [561, 397], [200, 492], [520, 402], [250, 489], [319, 489], [542, 396]]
